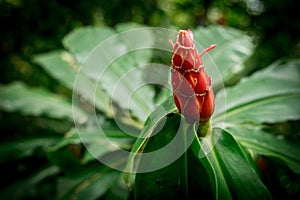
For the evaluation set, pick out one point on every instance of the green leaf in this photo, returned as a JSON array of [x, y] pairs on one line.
[[233, 48], [235, 175], [264, 143], [62, 66], [123, 80], [82, 41], [67, 159], [270, 95], [99, 140], [90, 183], [16, 149], [202, 178], [127, 26], [37, 101], [116, 63], [210, 180], [151, 123], [167, 182], [99, 146], [118, 191]]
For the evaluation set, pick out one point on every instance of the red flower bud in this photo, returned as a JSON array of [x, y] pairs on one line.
[[192, 90]]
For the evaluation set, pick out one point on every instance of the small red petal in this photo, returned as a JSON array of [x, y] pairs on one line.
[[176, 101], [202, 82], [185, 38], [208, 106], [191, 110]]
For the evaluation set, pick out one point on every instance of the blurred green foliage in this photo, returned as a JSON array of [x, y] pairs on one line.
[[35, 26]]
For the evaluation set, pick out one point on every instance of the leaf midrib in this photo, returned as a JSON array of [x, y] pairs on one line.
[[252, 104], [137, 97], [216, 167], [261, 148]]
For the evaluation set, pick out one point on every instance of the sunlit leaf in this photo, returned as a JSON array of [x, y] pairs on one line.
[[62, 66], [115, 60], [128, 26], [123, 80], [82, 41], [37, 101], [233, 48], [270, 95]]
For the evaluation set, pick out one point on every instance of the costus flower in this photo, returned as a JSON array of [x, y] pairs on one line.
[[192, 89]]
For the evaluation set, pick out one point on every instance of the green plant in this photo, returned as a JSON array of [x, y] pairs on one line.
[[221, 165]]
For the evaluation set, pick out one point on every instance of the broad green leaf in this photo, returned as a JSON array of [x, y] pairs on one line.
[[123, 80], [201, 175], [167, 182], [118, 191], [215, 182], [90, 183], [67, 159], [273, 109], [82, 41], [264, 143], [99, 140], [233, 48], [98, 145], [127, 26], [62, 66], [24, 147], [269, 95], [115, 61], [235, 175], [37, 101], [151, 123], [59, 64], [23, 189]]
